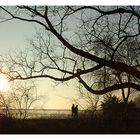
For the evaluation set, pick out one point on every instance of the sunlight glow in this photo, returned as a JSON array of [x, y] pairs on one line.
[[4, 86]]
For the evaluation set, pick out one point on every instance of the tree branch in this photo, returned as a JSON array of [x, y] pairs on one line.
[[109, 88]]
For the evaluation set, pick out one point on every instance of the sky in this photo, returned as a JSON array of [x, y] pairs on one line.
[[16, 39], [13, 36]]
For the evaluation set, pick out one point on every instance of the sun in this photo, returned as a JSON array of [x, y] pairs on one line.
[[4, 86]]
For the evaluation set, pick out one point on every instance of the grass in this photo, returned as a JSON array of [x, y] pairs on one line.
[[67, 126]]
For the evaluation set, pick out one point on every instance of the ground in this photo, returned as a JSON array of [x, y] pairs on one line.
[[66, 126]]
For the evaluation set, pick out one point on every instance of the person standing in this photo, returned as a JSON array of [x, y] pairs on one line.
[[73, 112], [76, 112]]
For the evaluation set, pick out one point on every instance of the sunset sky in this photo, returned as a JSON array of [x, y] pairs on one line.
[[14, 35], [90, 46]]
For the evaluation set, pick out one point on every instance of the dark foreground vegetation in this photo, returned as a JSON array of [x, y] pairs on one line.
[[68, 126], [116, 117]]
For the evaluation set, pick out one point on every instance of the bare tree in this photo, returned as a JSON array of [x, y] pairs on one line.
[[5, 105], [66, 50], [131, 57], [91, 103], [23, 96]]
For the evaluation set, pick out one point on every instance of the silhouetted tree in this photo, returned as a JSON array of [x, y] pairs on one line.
[[89, 102], [17, 101], [23, 95], [114, 109], [66, 50], [110, 106], [5, 105]]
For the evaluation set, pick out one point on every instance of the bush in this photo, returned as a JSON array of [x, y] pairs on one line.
[[115, 109]]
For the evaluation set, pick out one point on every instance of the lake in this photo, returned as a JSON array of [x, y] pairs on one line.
[[45, 113]]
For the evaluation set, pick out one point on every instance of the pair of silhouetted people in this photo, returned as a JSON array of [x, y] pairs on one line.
[[74, 111]]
